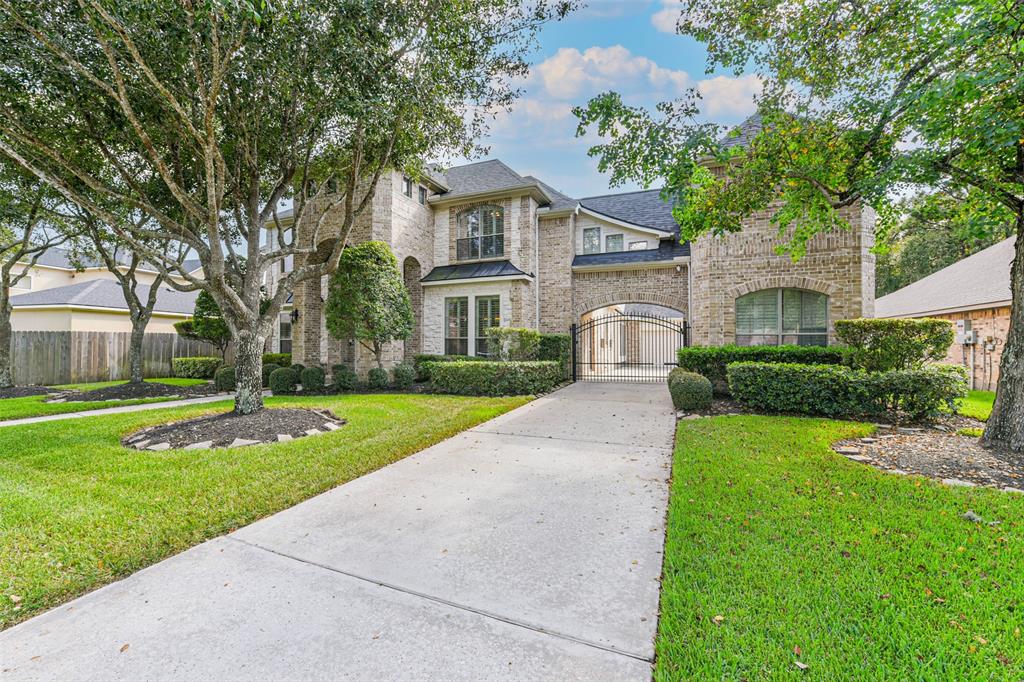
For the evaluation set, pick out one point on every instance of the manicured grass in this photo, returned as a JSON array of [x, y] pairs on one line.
[[77, 510], [807, 556], [978, 404], [36, 405], [172, 381]]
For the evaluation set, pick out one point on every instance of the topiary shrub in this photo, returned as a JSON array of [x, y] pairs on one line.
[[195, 367], [224, 379], [711, 361], [283, 380], [837, 391], [404, 375], [268, 369], [512, 343], [495, 378], [420, 361], [298, 367], [377, 378], [343, 377], [312, 379], [882, 345], [689, 390], [556, 347], [279, 359]]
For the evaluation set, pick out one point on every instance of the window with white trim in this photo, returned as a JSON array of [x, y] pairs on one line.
[[772, 317], [284, 333], [456, 328], [613, 243], [481, 233], [592, 240], [638, 246], [488, 314]]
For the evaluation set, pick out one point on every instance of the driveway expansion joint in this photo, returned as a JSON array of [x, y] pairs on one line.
[[572, 440]]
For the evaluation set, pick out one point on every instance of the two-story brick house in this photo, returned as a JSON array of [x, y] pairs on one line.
[[481, 245]]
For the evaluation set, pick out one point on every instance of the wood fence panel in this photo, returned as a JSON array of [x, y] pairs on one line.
[[78, 357]]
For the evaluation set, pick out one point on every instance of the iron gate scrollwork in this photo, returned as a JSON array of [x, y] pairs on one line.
[[626, 347]]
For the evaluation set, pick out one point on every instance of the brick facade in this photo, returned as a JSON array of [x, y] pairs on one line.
[[665, 286], [991, 326], [554, 273]]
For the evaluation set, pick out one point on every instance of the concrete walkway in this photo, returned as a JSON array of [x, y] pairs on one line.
[[121, 409], [529, 547]]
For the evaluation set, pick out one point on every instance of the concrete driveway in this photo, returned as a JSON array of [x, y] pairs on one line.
[[529, 547]]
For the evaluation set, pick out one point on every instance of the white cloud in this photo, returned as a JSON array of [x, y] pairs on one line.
[[569, 73], [667, 17], [725, 96]]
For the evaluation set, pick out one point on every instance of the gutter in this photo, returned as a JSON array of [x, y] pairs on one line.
[[642, 265], [946, 311], [468, 280], [92, 308]]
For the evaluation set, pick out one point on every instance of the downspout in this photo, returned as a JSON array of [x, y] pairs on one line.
[[536, 270], [689, 297]]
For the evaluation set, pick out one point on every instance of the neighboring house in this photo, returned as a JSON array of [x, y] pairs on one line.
[[60, 294], [974, 294], [481, 245]]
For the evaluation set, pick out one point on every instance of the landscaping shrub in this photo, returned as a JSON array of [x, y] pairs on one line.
[[312, 379], [512, 343], [689, 390], [279, 359], [268, 369], [882, 345], [377, 378], [224, 379], [495, 378], [557, 347], [283, 380], [195, 367], [297, 367], [343, 377], [711, 361], [404, 375], [419, 362], [838, 391]]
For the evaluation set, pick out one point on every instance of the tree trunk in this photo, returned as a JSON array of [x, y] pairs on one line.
[[6, 335], [135, 348], [1005, 428], [249, 372]]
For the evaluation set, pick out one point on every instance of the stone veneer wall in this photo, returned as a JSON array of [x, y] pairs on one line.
[[665, 286], [989, 324], [838, 264], [554, 273]]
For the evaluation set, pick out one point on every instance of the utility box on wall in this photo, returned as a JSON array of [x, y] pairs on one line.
[[964, 334]]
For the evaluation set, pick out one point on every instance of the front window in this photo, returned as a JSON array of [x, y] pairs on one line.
[[423, 195], [488, 314], [481, 233], [284, 335], [592, 240], [456, 334], [407, 186], [782, 316], [613, 243]]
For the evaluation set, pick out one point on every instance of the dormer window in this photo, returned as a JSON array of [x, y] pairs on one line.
[[481, 233]]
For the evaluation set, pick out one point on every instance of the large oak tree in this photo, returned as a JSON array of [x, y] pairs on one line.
[[232, 106], [862, 100]]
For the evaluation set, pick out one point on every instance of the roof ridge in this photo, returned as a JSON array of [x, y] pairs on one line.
[[620, 194]]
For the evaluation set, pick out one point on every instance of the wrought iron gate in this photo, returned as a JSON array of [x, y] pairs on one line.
[[626, 347]]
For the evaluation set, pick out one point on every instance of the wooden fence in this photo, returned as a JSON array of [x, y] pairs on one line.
[[77, 357]]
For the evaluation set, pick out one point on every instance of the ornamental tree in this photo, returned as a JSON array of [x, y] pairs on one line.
[[860, 100], [231, 107], [367, 299]]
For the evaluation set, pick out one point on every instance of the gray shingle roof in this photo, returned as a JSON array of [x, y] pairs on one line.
[[559, 201], [105, 293], [482, 176], [741, 135], [977, 281], [667, 250], [644, 208], [501, 268], [61, 258]]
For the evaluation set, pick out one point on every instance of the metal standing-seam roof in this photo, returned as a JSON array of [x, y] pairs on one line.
[[981, 280], [501, 268], [105, 293]]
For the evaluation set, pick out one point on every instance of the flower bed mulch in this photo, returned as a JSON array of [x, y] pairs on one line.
[[24, 391], [269, 425], [129, 391]]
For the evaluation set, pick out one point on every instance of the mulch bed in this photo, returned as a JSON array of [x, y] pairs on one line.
[[269, 425], [147, 389], [24, 391]]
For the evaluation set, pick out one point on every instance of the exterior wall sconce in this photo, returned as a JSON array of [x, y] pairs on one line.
[[295, 315]]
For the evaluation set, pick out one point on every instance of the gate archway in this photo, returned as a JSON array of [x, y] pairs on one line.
[[620, 345]]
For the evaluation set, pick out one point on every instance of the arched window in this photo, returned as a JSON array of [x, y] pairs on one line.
[[772, 317], [481, 233]]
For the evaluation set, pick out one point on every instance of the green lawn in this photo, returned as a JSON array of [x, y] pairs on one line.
[[978, 404], [807, 556], [77, 510], [36, 405]]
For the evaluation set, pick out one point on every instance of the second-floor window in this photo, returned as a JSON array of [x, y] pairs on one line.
[[592, 240], [612, 243], [407, 186], [423, 194], [481, 233]]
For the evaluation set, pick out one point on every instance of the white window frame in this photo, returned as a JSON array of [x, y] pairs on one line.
[[407, 186], [780, 333], [613, 235], [583, 236], [638, 246]]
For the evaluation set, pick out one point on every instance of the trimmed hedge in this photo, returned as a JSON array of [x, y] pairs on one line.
[[881, 345], [283, 380], [689, 390], [267, 370], [512, 343], [224, 379], [418, 362], [837, 391], [377, 378], [298, 367], [495, 378], [711, 361], [404, 375], [279, 359], [195, 367], [557, 347], [312, 379], [343, 377]]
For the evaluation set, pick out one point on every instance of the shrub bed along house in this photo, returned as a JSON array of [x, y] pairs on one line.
[[880, 345], [279, 359], [557, 347], [343, 378], [195, 367], [494, 378], [283, 380], [689, 390], [837, 391], [377, 378], [404, 375], [266, 371], [224, 379], [711, 361], [420, 361], [312, 379]]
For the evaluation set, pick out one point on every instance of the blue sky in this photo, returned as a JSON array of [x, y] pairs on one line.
[[624, 45]]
